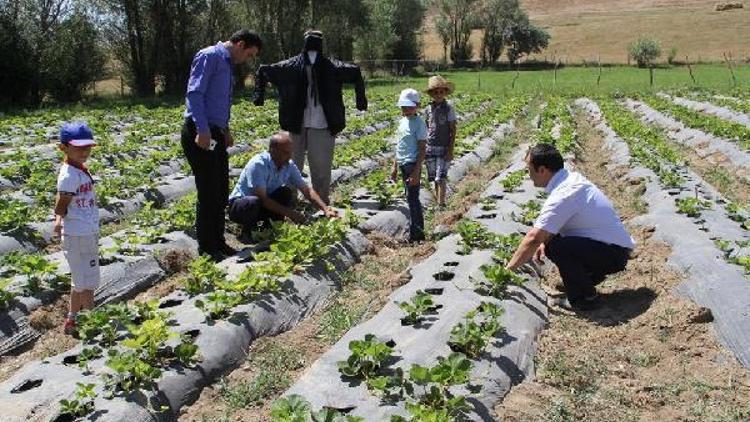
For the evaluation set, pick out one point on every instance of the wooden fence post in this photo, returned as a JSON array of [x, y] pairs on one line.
[[651, 76], [731, 71], [690, 69], [599, 76]]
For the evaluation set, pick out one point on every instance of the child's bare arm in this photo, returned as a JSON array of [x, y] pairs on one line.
[[452, 140], [61, 210], [415, 174], [421, 154]]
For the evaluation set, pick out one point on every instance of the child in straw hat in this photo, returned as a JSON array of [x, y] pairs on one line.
[[441, 135]]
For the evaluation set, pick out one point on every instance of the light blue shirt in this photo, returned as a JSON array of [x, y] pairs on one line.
[[209, 89], [261, 172], [577, 208], [410, 131]]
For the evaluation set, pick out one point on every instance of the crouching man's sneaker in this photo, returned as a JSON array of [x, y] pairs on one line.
[[588, 303]]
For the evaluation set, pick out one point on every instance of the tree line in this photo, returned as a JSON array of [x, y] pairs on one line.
[[55, 49]]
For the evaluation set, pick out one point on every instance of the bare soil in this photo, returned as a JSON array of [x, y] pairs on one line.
[[586, 29], [645, 355], [49, 321]]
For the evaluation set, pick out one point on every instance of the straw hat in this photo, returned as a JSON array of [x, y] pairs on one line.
[[438, 81]]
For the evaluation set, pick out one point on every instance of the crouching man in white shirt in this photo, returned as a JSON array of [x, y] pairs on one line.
[[577, 229]]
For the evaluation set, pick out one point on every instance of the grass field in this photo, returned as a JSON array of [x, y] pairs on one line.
[[573, 80], [582, 81]]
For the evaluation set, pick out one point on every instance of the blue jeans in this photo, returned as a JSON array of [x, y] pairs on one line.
[[416, 218]]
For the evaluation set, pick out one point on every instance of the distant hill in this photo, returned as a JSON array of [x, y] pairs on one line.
[[584, 29]]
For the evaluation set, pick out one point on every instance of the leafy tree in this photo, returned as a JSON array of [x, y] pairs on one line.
[[523, 40], [74, 59], [390, 32], [443, 27], [339, 20], [456, 19], [645, 51], [407, 22], [15, 66], [507, 27], [376, 40]]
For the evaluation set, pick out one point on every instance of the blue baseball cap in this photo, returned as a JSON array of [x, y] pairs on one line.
[[77, 134]]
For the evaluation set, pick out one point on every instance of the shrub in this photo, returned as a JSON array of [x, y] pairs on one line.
[[672, 55], [645, 51]]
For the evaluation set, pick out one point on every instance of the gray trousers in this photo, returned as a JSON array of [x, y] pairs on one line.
[[317, 145]]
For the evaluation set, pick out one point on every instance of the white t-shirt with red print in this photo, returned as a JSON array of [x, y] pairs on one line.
[[83, 214]]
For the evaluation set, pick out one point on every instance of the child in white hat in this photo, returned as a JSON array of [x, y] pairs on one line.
[[410, 152]]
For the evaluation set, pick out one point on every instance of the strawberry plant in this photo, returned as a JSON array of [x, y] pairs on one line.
[[82, 404], [378, 183], [742, 261], [497, 279], [100, 325], [487, 204], [186, 353], [294, 408], [149, 338], [480, 326], [421, 304], [529, 213], [366, 359], [392, 387], [218, 304], [203, 275], [691, 206], [87, 355], [513, 180], [506, 246], [6, 295], [129, 373], [474, 235], [264, 275], [437, 401], [735, 212], [38, 271]]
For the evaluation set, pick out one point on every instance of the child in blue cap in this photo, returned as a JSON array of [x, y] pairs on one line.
[[77, 218]]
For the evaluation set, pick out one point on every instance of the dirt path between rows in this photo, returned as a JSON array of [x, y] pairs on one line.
[[645, 355]]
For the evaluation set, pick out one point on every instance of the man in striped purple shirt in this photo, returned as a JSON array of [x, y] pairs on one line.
[[206, 135]]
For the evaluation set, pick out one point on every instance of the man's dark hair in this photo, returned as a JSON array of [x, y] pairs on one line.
[[249, 37], [545, 155]]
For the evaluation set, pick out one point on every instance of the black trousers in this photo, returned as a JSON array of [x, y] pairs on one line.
[[584, 263], [248, 211], [211, 171]]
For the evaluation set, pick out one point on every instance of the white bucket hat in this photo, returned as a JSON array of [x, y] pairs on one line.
[[408, 98]]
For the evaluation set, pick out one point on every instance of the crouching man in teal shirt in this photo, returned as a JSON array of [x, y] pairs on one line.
[[265, 191]]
